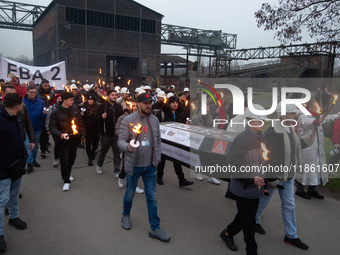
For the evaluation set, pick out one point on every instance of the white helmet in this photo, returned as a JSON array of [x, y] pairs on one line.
[[158, 90], [186, 89], [290, 108], [147, 88], [73, 81], [161, 94], [142, 87], [172, 86], [137, 90], [169, 95], [87, 87], [74, 86], [124, 90], [251, 115]]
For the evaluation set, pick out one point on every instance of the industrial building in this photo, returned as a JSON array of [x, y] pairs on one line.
[[111, 40]]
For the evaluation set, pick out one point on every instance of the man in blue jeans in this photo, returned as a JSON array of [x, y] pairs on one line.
[[142, 162], [37, 112], [285, 150], [12, 149]]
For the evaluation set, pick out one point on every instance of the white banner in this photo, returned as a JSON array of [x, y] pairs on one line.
[[55, 74]]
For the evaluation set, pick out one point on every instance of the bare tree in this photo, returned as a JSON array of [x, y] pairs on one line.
[[321, 18]]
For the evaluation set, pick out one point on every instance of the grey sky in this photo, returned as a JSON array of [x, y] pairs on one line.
[[230, 16]]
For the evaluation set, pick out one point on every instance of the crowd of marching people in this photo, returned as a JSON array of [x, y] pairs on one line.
[[99, 117]]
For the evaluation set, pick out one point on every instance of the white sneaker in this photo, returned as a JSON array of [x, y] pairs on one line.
[[99, 169], [213, 180], [198, 176], [71, 178], [120, 183], [55, 163], [139, 190], [66, 187], [116, 175]]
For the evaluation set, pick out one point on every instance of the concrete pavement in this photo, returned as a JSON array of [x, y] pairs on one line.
[[87, 219]]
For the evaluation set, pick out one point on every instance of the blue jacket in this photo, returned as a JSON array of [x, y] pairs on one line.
[[36, 111], [11, 141]]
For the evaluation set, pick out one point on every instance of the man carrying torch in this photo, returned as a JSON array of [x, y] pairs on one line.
[[247, 150], [141, 161], [285, 150], [67, 129]]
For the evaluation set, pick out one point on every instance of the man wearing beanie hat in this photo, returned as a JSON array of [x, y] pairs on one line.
[[170, 113], [142, 161]]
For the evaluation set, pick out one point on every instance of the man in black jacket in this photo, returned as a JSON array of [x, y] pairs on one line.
[[12, 148], [61, 122], [45, 93], [170, 112], [107, 116]]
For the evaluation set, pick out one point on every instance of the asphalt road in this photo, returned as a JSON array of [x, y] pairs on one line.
[[87, 219]]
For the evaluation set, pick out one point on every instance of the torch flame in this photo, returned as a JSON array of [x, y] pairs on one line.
[[74, 127], [137, 129], [265, 152], [129, 103], [222, 94], [335, 98], [186, 102], [48, 97], [104, 97], [193, 106], [83, 98], [219, 103], [128, 83], [318, 108], [165, 99], [11, 75]]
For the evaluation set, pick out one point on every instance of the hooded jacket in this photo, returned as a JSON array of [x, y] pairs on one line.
[[126, 135], [60, 123], [89, 117], [36, 111], [11, 141]]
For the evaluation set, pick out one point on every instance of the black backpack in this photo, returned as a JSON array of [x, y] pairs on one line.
[[328, 129]]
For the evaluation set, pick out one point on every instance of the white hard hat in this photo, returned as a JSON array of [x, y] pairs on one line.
[[73, 81], [161, 94], [73, 86], [137, 90], [249, 114], [124, 90], [169, 95], [172, 86], [185, 89], [290, 108], [147, 87], [158, 90], [142, 87], [87, 87]]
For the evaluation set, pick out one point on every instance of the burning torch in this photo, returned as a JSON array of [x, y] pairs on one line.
[[335, 98], [83, 109], [74, 130], [136, 129], [105, 98]]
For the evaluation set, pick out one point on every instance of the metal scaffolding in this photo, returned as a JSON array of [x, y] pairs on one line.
[[19, 16]]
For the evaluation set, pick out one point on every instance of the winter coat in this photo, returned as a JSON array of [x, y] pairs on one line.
[[126, 135], [26, 123], [113, 113], [167, 115], [203, 121], [60, 123], [36, 111], [119, 121], [89, 118], [11, 141], [42, 94], [314, 155], [277, 141], [246, 151]]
